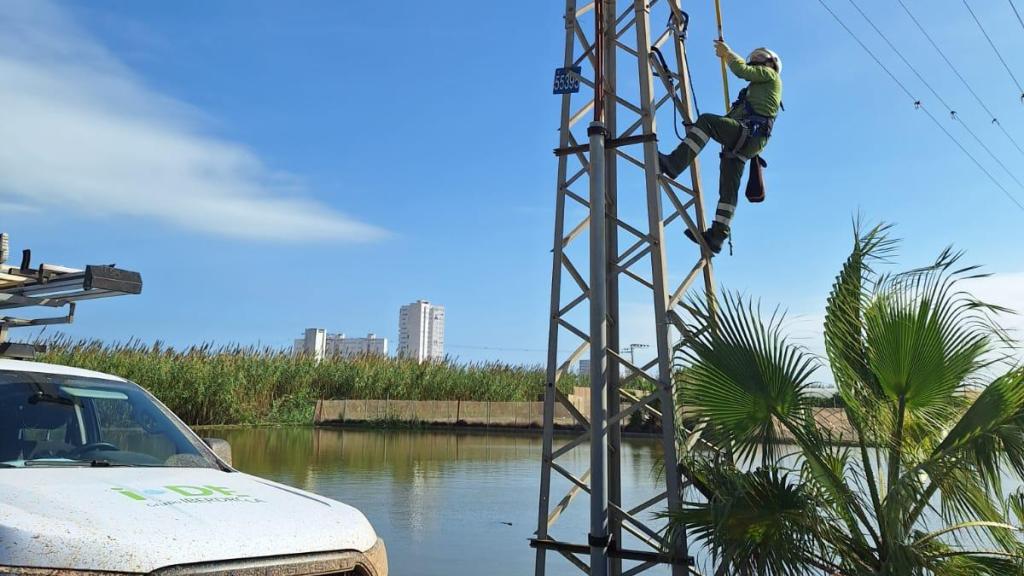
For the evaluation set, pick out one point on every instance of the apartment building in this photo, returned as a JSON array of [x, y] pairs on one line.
[[317, 343], [421, 331]]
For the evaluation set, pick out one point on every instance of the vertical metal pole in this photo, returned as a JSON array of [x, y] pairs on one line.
[[725, 70], [598, 356], [544, 506], [659, 281], [612, 242], [597, 132]]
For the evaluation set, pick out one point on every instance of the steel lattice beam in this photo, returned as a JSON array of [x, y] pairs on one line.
[[626, 45]]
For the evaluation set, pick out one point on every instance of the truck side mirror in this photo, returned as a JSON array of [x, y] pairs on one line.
[[221, 448]]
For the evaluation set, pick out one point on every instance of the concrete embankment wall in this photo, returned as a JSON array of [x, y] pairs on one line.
[[495, 414], [439, 412]]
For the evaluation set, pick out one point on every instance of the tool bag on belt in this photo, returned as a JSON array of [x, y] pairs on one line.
[[754, 125], [755, 180]]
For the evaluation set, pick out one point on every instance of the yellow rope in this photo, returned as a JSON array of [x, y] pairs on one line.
[[725, 72]]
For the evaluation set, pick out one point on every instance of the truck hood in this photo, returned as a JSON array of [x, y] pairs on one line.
[[142, 519]]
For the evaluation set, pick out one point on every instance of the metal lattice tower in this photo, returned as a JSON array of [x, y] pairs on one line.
[[602, 42]]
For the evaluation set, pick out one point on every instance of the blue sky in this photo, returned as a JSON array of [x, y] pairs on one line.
[[270, 166]]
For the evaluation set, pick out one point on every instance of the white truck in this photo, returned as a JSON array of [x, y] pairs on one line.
[[98, 478]]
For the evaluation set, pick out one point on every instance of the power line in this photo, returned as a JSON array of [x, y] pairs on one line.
[[952, 113], [966, 84], [917, 103], [499, 349], [993, 45], [935, 45], [1015, 11], [920, 106], [973, 159], [900, 54]]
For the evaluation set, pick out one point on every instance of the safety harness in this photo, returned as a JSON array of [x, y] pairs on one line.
[[753, 125]]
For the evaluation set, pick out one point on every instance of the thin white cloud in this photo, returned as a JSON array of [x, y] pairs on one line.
[[82, 133], [12, 208]]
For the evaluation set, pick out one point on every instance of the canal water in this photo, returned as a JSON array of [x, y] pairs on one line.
[[446, 503]]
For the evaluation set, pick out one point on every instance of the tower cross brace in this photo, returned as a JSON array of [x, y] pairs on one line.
[[610, 42]]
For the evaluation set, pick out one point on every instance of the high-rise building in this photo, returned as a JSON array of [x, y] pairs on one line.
[[421, 331], [317, 343], [313, 343], [584, 368]]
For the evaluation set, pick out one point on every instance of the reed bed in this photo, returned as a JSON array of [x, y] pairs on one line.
[[211, 384]]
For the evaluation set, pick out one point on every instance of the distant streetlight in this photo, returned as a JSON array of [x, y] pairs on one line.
[[633, 348]]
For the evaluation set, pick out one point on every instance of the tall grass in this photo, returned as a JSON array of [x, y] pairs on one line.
[[244, 385]]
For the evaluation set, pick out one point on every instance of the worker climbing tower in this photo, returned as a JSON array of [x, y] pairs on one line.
[[622, 71]]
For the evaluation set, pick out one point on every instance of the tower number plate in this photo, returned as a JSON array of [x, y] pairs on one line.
[[567, 80]]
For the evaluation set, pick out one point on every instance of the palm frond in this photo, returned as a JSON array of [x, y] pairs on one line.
[[1015, 506], [974, 564], [925, 337], [745, 378], [907, 350], [759, 522], [845, 343], [990, 434]]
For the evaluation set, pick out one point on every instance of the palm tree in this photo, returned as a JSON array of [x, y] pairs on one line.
[[919, 490]]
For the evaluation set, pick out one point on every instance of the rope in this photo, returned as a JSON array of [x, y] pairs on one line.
[[680, 29], [689, 75], [671, 88], [993, 45], [918, 105], [966, 84]]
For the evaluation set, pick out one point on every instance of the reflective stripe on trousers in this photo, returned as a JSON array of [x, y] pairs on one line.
[[723, 215]]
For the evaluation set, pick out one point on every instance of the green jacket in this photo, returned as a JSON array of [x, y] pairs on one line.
[[764, 91]]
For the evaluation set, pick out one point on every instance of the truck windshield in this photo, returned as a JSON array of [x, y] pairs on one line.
[[56, 420]]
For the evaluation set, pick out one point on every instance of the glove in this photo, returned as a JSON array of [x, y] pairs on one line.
[[723, 51]]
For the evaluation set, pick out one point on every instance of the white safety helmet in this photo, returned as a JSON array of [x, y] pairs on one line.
[[766, 57]]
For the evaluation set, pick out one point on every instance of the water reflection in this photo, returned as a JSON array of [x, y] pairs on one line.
[[447, 503]]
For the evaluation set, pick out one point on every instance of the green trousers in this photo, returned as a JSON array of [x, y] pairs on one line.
[[726, 131]]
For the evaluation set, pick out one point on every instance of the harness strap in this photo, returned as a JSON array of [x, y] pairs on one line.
[[758, 124], [740, 143]]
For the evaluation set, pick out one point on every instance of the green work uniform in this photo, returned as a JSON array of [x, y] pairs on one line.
[[764, 96]]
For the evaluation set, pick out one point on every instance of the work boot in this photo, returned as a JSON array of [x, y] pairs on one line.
[[665, 166], [714, 237]]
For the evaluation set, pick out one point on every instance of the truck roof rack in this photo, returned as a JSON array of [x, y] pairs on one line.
[[53, 286]]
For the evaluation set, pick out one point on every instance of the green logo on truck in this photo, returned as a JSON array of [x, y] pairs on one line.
[[184, 494]]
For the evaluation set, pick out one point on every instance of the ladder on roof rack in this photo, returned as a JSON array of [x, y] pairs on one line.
[[52, 286]]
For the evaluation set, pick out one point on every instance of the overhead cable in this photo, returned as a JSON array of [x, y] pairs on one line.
[[900, 54], [966, 84], [952, 113], [919, 105], [497, 348], [1017, 13], [998, 53]]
